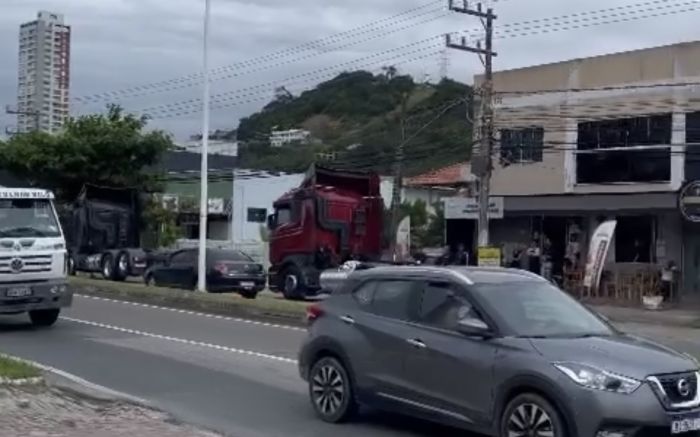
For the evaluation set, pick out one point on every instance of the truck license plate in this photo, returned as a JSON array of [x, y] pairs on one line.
[[247, 284], [682, 426], [18, 292]]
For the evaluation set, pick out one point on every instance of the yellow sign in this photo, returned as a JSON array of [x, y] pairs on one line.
[[489, 257]]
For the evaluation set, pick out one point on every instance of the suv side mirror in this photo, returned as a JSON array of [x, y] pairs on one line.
[[473, 327]]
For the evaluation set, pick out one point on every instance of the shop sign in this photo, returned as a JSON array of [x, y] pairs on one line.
[[489, 256], [468, 208], [216, 206], [689, 202], [598, 253]]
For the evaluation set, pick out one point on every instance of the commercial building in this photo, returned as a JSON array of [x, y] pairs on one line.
[[44, 73], [280, 138], [611, 136]]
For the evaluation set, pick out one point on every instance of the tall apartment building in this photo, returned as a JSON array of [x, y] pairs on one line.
[[44, 73]]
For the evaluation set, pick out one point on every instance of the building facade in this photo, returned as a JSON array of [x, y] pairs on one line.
[[585, 140], [280, 138], [44, 73]]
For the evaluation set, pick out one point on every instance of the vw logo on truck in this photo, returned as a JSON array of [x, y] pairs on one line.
[[16, 265]]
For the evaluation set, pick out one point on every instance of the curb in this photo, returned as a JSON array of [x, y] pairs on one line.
[[21, 382], [73, 383], [24, 382]]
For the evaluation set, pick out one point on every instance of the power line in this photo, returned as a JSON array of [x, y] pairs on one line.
[[193, 79], [313, 74], [232, 101]]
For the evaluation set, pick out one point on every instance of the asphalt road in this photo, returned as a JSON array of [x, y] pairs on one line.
[[233, 376]]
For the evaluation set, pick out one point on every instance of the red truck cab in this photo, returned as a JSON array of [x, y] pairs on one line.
[[332, 217]]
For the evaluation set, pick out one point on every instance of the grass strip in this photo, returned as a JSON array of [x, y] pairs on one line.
[[11, 369], [265, 307]]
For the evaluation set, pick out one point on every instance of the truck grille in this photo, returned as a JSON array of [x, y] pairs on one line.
[[29, 264]]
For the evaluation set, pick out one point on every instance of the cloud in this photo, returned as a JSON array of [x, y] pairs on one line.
[[119, 44]]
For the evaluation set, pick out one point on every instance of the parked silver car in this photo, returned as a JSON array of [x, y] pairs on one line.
[[497, 351]]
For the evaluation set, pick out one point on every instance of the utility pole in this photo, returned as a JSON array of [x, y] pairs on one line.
[[204, 188], [397, 186], [482, 165], [35, 114]]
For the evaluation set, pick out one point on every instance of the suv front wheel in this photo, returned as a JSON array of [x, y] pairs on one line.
[[530, 415], [331, 391]]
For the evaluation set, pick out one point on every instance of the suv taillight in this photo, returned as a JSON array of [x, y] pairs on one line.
[[313, 312]]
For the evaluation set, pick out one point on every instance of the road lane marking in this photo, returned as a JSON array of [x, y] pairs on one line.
[[195, 313], [182, 340]]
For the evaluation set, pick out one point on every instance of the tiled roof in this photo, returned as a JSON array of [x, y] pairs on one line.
[[454, 174]]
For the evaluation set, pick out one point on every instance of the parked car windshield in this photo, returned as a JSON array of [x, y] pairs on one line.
[[538, 309], [22, 218]]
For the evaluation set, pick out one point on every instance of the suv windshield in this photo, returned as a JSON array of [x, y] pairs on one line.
[[21, 218], [538, 309]]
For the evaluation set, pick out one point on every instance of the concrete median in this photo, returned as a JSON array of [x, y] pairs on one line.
[[266, 308]]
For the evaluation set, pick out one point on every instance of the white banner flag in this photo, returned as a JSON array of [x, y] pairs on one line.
[[598, 253]]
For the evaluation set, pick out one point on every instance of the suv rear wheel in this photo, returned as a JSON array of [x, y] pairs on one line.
[[530, 415], [331, 391]]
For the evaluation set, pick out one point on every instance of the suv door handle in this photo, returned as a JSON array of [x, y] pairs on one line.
[[416, 343], [347, 319]]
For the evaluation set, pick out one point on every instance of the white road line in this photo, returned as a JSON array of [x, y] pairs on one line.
[[194, 313], [183, 341]]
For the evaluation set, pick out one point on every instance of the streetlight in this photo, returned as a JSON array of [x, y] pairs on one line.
[[204, 193]]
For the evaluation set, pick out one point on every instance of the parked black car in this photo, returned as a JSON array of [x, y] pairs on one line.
[[227, 271]]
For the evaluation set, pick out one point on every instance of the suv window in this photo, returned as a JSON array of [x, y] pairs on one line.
[[388, 298], [443, 306]]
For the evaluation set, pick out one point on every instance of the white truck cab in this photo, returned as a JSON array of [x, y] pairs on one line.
[[33, 256]]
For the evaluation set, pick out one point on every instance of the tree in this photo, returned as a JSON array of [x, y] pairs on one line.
[[160, 218], [112, 149]]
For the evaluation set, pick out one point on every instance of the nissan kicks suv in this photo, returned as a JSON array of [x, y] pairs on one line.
[[497, 351]]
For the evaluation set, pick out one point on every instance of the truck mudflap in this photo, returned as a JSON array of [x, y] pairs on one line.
[[22, 297]]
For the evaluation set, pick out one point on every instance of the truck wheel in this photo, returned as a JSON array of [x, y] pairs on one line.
[[292, 284], [122, 267], [43, 318], [107, 267], [71, 265]]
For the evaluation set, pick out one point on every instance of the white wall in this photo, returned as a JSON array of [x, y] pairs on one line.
[[258, 192]]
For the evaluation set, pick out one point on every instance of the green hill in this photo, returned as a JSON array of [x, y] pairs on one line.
[[355, 121]]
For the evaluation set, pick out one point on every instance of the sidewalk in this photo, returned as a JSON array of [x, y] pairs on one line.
[[42, 412], [687, 318]]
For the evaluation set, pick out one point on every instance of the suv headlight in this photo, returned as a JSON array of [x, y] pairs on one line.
[[598, 379]]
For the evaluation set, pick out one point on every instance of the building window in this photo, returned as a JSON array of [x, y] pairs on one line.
[[624, 150], [522, 145], [257, 215]]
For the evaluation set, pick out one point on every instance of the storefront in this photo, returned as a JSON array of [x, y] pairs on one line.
[[549, 235]]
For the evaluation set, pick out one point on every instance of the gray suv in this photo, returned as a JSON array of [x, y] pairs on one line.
[[496, 351]]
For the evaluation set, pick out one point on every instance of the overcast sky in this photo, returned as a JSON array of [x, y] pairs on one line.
[[121, 44]]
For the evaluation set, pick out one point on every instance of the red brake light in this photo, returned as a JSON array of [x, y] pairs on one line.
[[313, 312], [221, 268]]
